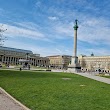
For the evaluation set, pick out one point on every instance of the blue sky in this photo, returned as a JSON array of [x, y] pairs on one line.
[[46, 26]]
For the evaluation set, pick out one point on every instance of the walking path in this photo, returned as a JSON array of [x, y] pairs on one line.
[[92, 76], [7, 102], [88, 75]]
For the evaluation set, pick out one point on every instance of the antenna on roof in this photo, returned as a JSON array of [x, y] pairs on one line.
[[2, 37]]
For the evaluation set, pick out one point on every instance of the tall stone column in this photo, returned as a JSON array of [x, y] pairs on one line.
[[2, 58], [75, 38], [74, 66], [75, 43], [27, 56]]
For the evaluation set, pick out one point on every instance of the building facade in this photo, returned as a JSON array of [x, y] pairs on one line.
[[59, 61], [11, 56], [94, 63]]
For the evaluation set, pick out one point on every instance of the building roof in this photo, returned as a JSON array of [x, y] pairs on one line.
[[59, 56], [16, 50]]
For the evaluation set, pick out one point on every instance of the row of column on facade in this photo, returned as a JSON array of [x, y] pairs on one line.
[[15, 61]]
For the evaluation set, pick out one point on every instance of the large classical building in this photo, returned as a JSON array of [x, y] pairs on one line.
[[11, 56], [59, 61], [93, 63]]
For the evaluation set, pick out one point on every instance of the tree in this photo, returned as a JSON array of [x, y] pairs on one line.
[[2, 37]]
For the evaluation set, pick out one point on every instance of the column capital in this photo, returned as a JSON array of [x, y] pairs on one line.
[[76, 25]]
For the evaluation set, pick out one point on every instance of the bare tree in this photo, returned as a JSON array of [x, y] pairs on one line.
[[2, 37]]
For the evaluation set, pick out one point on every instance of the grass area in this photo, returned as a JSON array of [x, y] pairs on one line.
[[48, 91], [105, 76]]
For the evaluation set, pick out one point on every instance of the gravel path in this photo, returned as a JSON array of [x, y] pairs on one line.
[[7, 102], [92, 76]]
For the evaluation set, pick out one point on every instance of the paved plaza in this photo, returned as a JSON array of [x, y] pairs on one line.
[[93, 76], [7, 102]]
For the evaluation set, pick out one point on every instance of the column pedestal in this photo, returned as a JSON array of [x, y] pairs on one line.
[[74, 66]]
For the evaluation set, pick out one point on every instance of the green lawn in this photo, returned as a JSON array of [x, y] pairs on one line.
[[48, 91], [106, 76]]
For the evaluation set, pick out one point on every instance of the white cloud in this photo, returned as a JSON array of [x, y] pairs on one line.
[[58, 51], [65, 30], [14, 31], [53, 18], [27, 25], [38, 4], [97, 52], [94, 31], [91, 29], [37, 49]]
